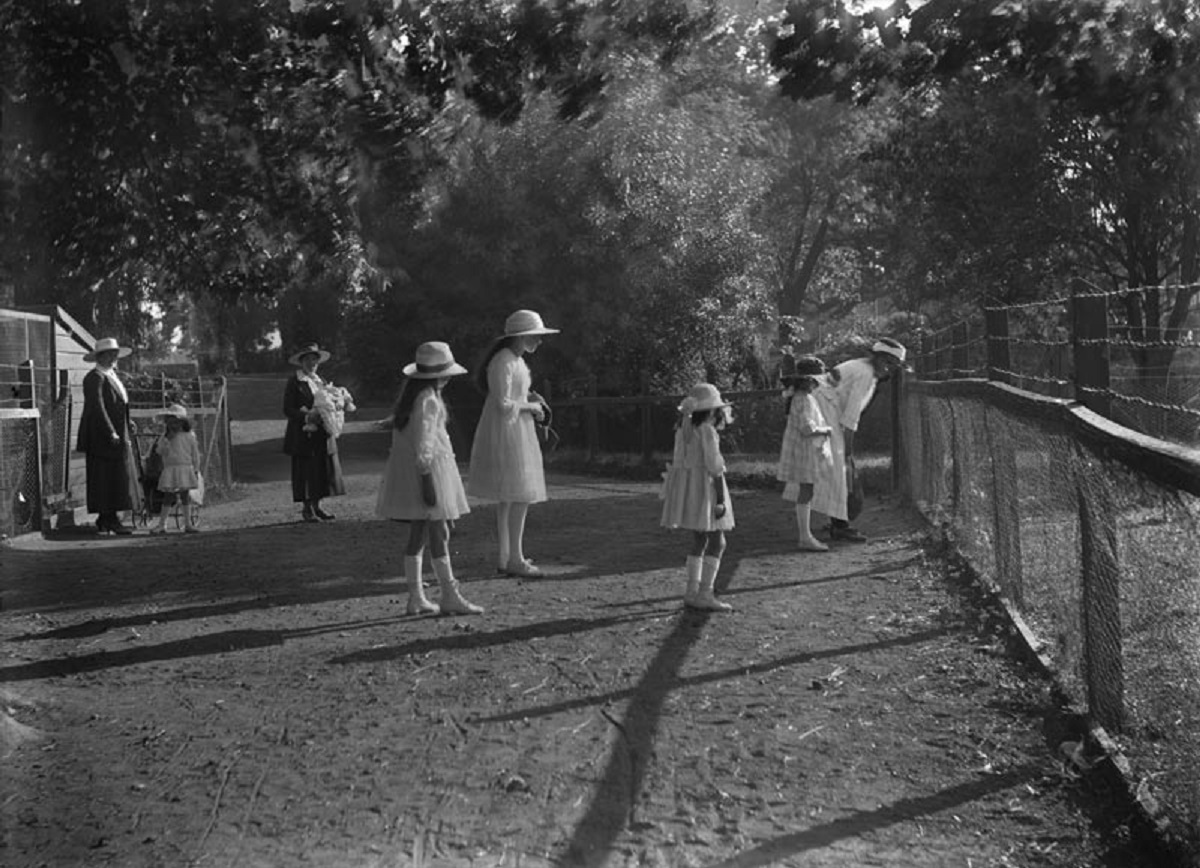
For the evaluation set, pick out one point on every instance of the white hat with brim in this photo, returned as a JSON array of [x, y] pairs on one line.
[[525, 322], [105, 345], [310, 350], [703, 396], [434, 361], [892, 348], [177, 411]]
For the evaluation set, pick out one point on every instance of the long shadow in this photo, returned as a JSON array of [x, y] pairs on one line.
[[97, 626], [463, 641], [778, 586], [212, 643], [667, 683], [865, 822]]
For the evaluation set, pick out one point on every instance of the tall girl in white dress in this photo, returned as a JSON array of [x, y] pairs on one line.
[[506, 458], [420, 483], [695, 496]]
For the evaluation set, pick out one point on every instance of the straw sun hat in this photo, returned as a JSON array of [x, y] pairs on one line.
[[526, 322], [105, 345], [433, 361], [309, 350]]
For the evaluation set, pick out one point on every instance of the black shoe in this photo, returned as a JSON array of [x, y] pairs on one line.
[[846, 533], [322, 514], [308, 515]]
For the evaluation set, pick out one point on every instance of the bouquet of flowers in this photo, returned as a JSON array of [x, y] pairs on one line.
[[330, 405]]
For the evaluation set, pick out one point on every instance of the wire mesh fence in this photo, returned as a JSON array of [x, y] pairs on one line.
[[20, 482], [1092, 540]]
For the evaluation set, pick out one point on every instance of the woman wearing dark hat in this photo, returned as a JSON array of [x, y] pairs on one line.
[[506, 459], [104, 438], [316, 469]]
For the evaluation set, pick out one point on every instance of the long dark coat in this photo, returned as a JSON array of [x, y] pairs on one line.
[[108, 471], [316, 469]]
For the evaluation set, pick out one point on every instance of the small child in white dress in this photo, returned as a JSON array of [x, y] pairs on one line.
[[695, 496], [180, 466], [421, 484], [806, 455]]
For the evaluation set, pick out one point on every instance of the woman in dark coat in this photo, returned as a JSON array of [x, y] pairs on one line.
[[104, 438], [316, 470]]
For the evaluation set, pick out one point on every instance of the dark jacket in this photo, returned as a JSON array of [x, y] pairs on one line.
[[297, 394], [104, 413]]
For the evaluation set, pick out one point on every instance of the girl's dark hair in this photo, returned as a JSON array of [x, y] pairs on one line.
[[699, 416], [481, 372], [402, 410], [184, 424]]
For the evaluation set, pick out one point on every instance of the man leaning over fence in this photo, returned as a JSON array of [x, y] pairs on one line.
[[843, 397]]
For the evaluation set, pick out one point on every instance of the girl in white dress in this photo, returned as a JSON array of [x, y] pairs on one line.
[[806, 454], [420, 483], [180, 466], [695, 496], [506, 458]]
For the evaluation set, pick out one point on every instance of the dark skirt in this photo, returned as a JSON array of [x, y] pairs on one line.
[[108, 484], [317, 475]]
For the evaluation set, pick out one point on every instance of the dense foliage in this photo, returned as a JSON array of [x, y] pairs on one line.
[[682, 193]]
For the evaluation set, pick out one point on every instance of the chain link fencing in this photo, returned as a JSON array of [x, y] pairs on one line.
[[1090, 533]]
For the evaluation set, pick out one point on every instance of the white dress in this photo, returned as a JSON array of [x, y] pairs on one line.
[[805, 454], [422, 447], [181, 461], [842, 398], [688, 493], [506, 459]]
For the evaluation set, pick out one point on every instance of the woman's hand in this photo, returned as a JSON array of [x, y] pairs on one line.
[[537, 411], [428, 492]]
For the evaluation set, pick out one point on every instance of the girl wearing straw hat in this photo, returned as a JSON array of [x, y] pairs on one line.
[[180, 466], [316, 468], [695, 496], [420, 483], [506, 458], [104, 438]]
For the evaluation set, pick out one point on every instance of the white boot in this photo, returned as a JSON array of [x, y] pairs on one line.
[[417, 602], [452, 601], [808, 542], [694, 565], [704, 599]]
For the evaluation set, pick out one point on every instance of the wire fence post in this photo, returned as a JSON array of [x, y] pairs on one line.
[[960, 350], [926, 364], [1104, 669], [26, 388], [592, 416], [1089, 320], [647, 420], [999, 362]]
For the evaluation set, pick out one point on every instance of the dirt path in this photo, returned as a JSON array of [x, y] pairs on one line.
[[255, 696]]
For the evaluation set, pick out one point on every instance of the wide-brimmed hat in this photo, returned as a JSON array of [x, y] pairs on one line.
[[892, 348], [309, 350], [105, 345], [703, 396], [434, 360], [178, 411], [526, 322]]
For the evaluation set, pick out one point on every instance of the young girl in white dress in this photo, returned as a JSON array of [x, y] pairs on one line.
[[695, 496], [506, 458], [806, 455], [180, 466], [420, 483]]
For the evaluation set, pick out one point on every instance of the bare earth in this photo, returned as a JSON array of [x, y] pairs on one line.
[[254, 695]]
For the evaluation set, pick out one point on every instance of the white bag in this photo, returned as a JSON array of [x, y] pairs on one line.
[[196, 495]]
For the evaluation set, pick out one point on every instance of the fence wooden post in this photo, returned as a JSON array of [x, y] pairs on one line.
[[897, 431], [647, 420], [999, 361], [1101, 616], [1089, 320], [960, 350], [592, 415], [1006, 513], [26, 388], [928, 362]]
